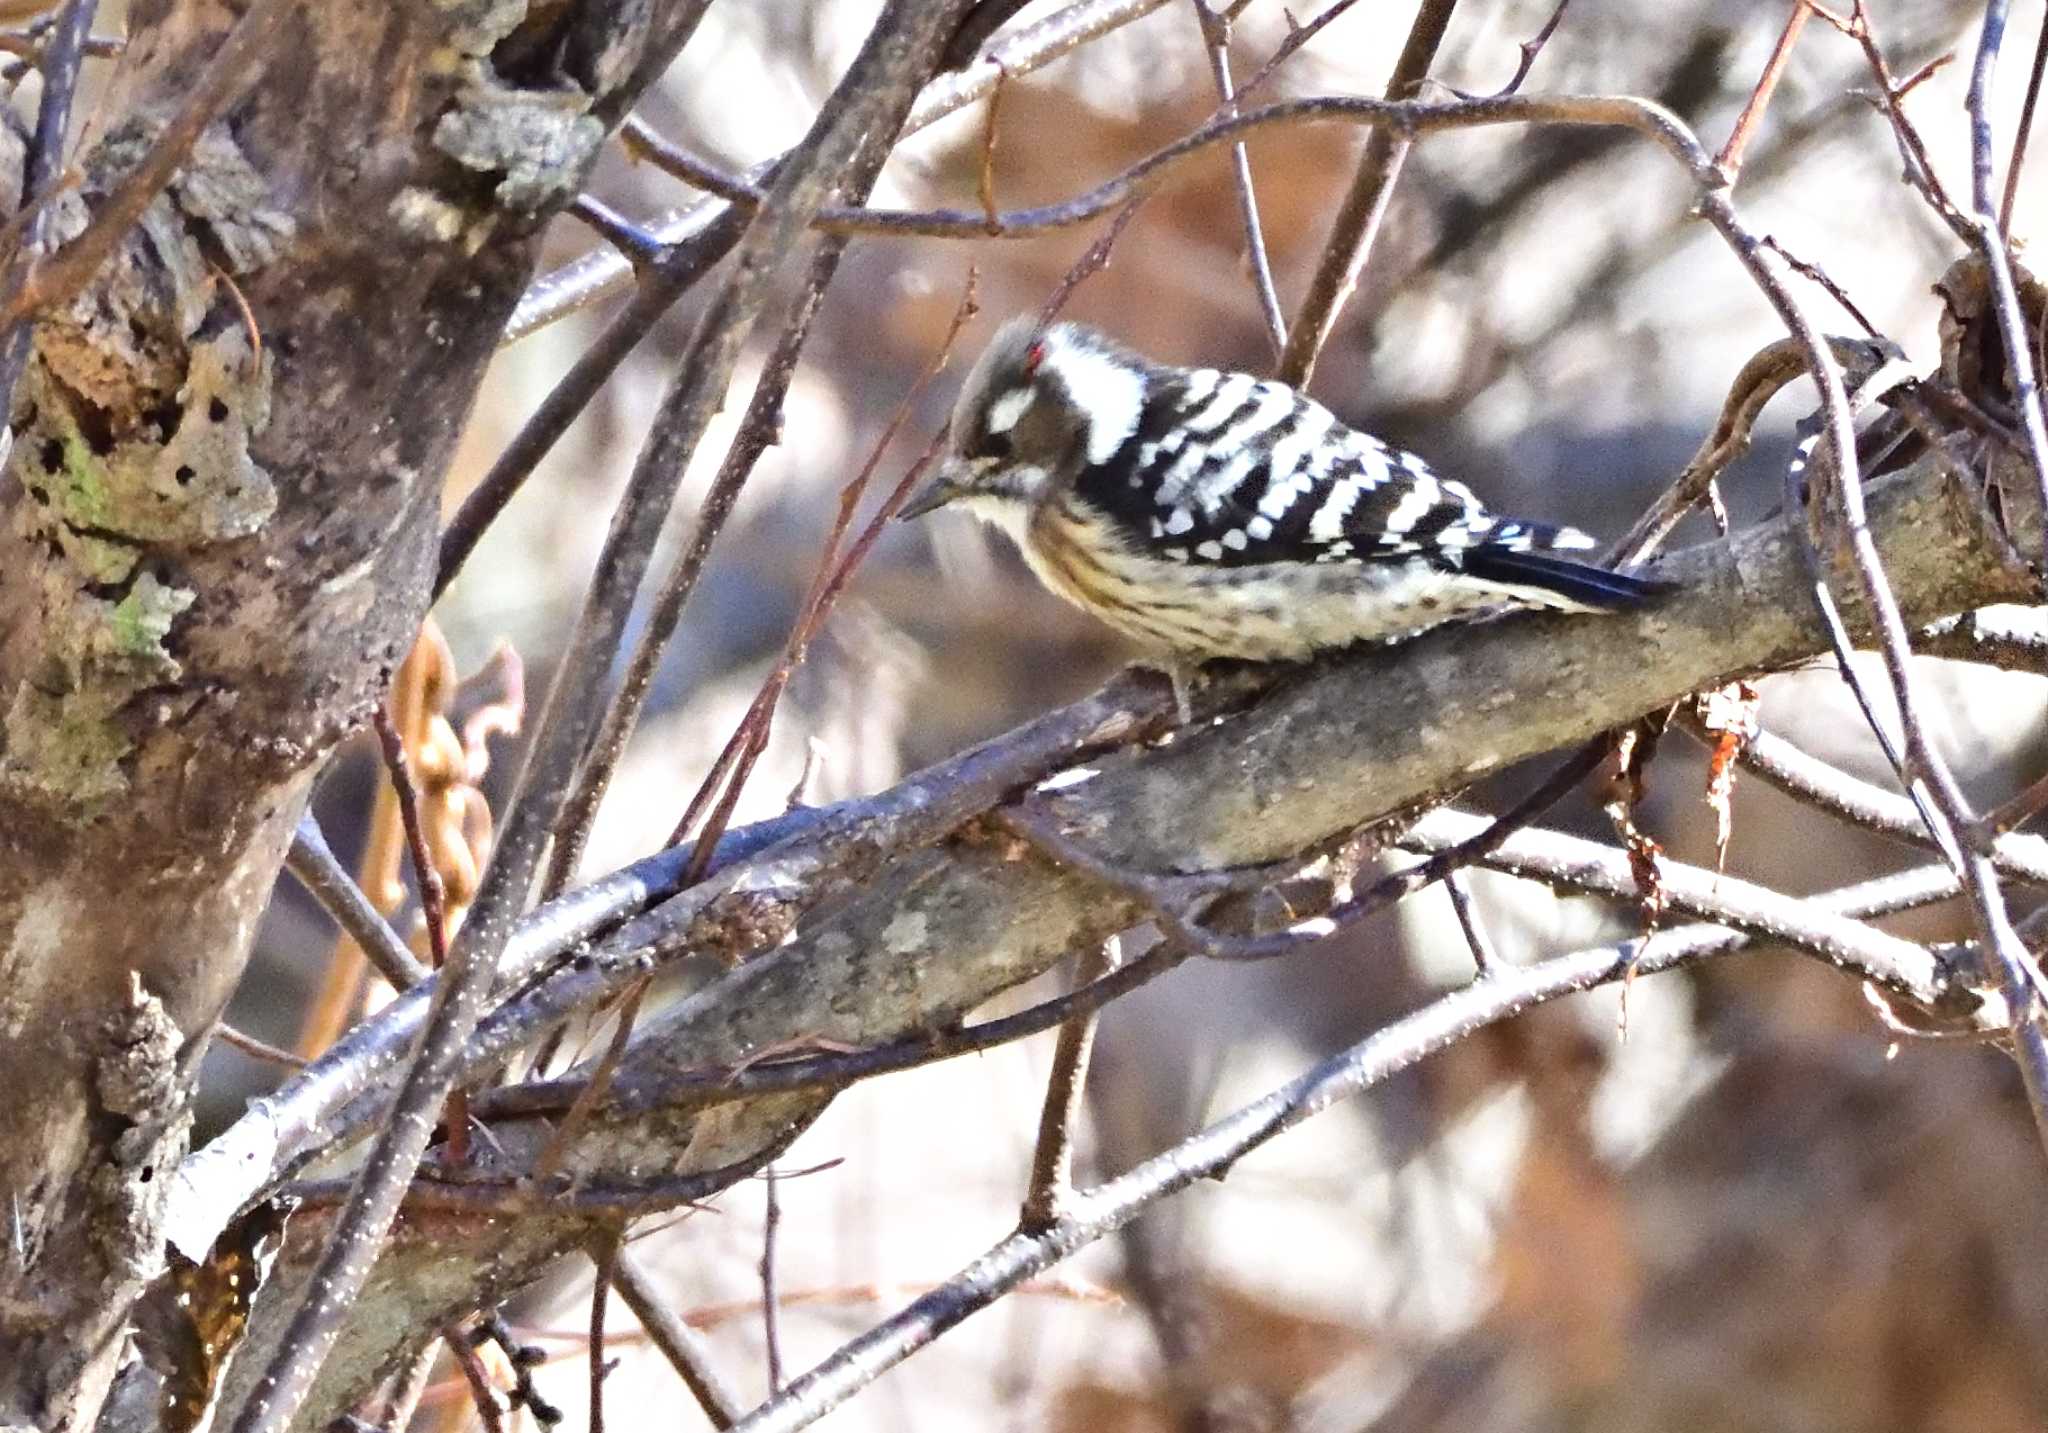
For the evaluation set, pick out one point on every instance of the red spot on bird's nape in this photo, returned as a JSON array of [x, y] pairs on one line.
[[1033, 356]]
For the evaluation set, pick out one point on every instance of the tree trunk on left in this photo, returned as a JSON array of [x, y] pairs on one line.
[[217, 531]]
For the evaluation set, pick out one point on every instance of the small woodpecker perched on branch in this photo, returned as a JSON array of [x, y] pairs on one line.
[[1208, 514]]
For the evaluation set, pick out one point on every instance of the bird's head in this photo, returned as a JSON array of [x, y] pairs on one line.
[[1038, 407]]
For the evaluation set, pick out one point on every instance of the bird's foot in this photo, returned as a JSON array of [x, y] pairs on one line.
[[1182, 677]]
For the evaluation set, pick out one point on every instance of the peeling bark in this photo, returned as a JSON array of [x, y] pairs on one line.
[[217, 531]]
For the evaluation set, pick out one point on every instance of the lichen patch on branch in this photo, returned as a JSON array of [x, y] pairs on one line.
[[133, 424]]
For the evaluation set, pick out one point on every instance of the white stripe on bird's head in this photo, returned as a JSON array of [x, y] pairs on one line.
[[1106, 391]]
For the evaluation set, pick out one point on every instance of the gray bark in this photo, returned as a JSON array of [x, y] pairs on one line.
[[216, 535]]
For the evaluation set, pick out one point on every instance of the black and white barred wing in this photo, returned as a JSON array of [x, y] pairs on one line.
[[1223, 469]]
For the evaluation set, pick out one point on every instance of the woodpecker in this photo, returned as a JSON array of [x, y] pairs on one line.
[[1209, 514]]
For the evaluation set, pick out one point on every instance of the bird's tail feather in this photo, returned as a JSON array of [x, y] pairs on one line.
[[1578, 583]]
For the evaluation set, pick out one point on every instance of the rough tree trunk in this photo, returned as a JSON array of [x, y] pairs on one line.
[[216, 534]]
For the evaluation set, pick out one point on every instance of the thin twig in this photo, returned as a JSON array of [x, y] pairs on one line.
[[680, 1344], [2017, 163], [1530, 49], [1093, 260], [1814, 272], [590, 280], [1051, 1190], [1365, 204], [1760, 380], [1729, 160], [605, 1255], [750, 739], [1485, 959], [235, 64], [1991, 243], [481, 1395], [313, 862], [1211, 1153], [985, 175], [1215, 27], [433, 894], [662, 284], [760, 428], [259, 1049], [638, 247], [1890, 99], [870, 102], [1296, 38], [771, 1308]]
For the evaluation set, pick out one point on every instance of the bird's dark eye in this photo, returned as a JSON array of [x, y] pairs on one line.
[[994, 445]]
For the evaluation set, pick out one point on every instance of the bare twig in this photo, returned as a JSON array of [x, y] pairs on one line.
[[1485, 959], [1052, 1161], [870, 101], [1211, 1153], [1365, 204], [1816, 274], [314, 864], [482, 1396], [759, 429], [605, 1256], [2017, 163], [1989, 235], [234, 65], [1215, 26], [985, 175], [638, 247], [1092, 261], [1759, 381], [433, 895], [258, 1049], [589, 280], [1730, 158], [679, 1343], [1531, 48], [1890, 99], [1292, 43], [771, 1307], [665, 281]]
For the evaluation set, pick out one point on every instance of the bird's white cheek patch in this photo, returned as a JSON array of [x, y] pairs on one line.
[[1007, 411], [1109, 395]]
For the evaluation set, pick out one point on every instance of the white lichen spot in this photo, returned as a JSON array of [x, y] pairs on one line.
[[44, 924], [906, 933], [424, 214], [1071, 777]]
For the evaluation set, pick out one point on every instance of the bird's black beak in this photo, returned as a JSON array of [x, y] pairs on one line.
[[944, 486]]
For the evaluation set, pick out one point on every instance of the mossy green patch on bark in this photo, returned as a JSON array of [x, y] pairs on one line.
[[115, 501], [60, 741]]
